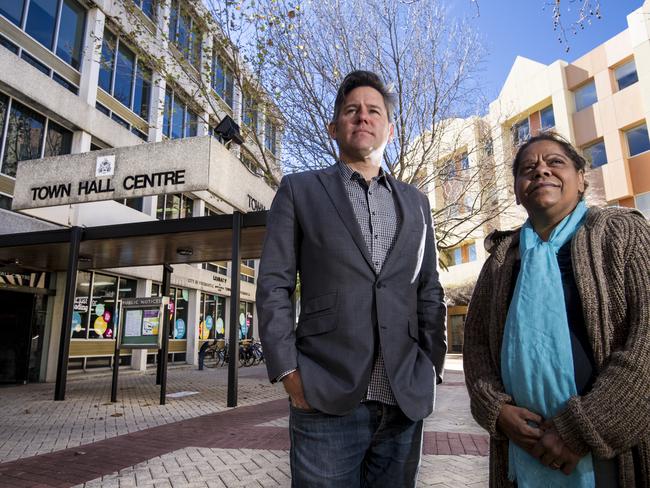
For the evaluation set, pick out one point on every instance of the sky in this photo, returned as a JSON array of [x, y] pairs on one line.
[[511, 28]]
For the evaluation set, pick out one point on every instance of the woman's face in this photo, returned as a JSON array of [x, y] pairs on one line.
[[547, 183]]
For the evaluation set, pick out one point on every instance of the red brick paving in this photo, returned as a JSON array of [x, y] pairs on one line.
[[232, 429]]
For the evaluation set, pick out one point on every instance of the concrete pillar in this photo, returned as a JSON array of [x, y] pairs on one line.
[[158, 83], [139, 356], [90, 63], [80, 141], [149, 205], [53, 334], [158, 87], [193, 316]]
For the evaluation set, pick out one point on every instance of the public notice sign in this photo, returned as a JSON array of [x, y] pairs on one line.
[[141, 322]]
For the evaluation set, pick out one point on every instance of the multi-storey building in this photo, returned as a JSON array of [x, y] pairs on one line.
[[97, 75], [600, 102]]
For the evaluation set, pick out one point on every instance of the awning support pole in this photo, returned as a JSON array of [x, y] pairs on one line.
[[233, 337]]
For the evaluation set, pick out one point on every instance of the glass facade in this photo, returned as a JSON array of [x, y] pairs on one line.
[[174, 206], [95, 304], [212, 317], [246, 326], [56, 24]]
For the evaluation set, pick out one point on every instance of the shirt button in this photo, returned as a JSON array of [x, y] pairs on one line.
[[374, 213], [376, 236], [369, 192]]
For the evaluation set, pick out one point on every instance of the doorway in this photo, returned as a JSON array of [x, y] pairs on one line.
[[16, 319]]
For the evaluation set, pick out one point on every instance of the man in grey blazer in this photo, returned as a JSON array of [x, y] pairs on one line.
[[361, 365]]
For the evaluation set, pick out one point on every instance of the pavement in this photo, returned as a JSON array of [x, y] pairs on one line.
[[194, 440]]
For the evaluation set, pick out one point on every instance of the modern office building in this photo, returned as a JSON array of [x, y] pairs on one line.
[[112, 77], [600, 102]]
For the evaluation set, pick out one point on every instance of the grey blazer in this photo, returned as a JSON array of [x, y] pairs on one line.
[[347, 310]]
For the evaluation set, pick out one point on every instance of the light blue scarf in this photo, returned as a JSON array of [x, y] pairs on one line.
[[536, 357]]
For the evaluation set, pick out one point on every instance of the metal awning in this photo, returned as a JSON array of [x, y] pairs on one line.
[[134, 244], [193, 240]]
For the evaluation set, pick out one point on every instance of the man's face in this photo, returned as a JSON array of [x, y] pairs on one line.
[[362, 129]]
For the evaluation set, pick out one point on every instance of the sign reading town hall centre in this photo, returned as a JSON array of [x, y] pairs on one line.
[[193, 164]]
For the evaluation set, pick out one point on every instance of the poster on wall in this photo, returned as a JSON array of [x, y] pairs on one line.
[[141, 322]]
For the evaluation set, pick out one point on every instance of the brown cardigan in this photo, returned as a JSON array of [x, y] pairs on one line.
[[611, 261]]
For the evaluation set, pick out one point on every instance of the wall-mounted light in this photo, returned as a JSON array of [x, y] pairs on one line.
[[184, 251]]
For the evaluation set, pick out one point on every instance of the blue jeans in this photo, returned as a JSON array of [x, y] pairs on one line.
[[374, 446]]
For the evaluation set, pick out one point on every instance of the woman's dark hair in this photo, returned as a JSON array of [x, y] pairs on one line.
[[356, 79], [579, 162]]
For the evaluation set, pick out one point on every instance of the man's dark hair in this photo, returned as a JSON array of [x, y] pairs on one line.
[[355, 79], [579, 162]]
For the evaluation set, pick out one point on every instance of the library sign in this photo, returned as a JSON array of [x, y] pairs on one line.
[[128, 172]]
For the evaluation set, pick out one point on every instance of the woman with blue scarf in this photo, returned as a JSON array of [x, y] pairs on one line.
[[557, 336]]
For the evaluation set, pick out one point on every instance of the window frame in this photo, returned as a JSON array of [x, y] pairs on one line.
[[187, 52], [517, 140]]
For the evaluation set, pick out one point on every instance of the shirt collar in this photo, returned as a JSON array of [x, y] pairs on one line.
[[348, 173]]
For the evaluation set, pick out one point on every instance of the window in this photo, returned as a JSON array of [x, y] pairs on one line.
[[212, 317], [245, 320], [179, 121], [174, 206], [547, 118], [136, 203], [222, 81], [71, 32], [270, 135], [637, 140], [24, 138], [124, 76], [596, 154], [465, 253], [520, 132], [185, 34], [642, 203], [178, 327], [464, 161], [8, 44], [13, 11], [5, 201], [585, 96], [248, 270], [58, 140], [249, 112], [57, 24], [626, 75], [148, 7]]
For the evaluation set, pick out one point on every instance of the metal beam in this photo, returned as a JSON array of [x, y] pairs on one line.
[[233, 339], [68, 307], [167, 277]]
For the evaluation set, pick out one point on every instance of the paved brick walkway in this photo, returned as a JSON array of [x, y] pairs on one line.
[[193, 440]]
